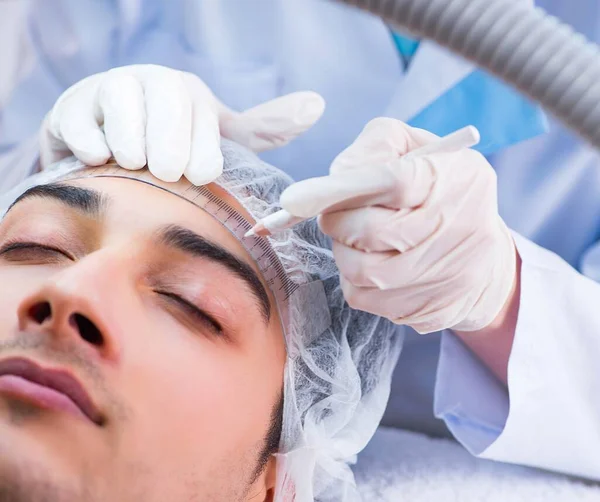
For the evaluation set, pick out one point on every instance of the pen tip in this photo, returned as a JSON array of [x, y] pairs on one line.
[[258, 229]]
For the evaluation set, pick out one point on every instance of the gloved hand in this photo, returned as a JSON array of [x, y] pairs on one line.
[[431, 252], [167, 118]]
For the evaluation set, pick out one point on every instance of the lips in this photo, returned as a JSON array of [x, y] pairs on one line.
[[51, 389]]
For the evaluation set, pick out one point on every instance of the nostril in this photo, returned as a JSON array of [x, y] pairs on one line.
[[87, 329], [40, 312]]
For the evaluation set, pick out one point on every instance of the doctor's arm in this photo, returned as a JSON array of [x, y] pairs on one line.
[[517, 378], [548, 415], [493, 343]]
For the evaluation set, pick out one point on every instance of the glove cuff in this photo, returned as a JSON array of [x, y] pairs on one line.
[[500, 285]]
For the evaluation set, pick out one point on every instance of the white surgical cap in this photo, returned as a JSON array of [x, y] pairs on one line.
[[340, 361]]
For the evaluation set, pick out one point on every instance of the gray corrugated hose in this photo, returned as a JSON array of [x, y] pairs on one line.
[[526, 47]]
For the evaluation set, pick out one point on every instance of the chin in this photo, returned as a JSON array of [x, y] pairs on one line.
[[25, 474]]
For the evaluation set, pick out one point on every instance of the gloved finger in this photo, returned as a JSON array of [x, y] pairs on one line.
[[423, 309], [274, 123], [382, 142], [52, 148], [390, 269], [168, 125], [377, 229], [363, 269], [383, 303], [121, 103], [405, 185], [77, 122], [206, 160]]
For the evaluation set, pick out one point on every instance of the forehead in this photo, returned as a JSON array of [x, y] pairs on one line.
[[142, 207]]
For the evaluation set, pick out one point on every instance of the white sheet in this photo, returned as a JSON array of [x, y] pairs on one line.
[[401, 466]]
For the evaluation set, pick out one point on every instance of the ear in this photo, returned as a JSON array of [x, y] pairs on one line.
[[263, 489], [270, 479]]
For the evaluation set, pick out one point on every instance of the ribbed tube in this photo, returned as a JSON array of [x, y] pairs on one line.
[[530, 50]]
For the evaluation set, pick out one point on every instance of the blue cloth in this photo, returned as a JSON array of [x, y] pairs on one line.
[[501, 114], [503, 117], [407, 47]]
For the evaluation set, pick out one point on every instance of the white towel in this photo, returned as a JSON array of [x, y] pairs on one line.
[[400, 466]]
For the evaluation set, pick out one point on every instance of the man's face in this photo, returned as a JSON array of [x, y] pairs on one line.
[[162, 317]]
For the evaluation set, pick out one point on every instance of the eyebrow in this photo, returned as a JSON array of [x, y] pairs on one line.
[[90, 202], [191, 243]]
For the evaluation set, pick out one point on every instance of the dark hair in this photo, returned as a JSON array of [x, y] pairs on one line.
[[272, 439]]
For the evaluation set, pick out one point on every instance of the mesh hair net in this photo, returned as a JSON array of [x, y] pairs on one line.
[[337, 380]]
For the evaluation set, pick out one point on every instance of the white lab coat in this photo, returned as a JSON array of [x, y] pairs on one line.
[[251, 54], [352, 61], [550, 192]]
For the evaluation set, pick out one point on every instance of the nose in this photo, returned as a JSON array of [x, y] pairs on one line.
[[79, 304], [42, 313]]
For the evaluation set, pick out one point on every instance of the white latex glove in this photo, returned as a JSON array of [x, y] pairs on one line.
[[166, 118], [431, 252]]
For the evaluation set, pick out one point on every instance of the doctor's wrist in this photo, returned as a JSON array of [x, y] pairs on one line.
[[493, 344]]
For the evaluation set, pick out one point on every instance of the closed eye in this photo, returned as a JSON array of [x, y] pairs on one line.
[[193, 310], [25, 251]]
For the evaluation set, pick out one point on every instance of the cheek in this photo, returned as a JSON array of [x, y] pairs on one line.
[[216, 395]]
